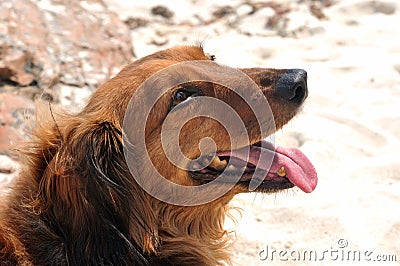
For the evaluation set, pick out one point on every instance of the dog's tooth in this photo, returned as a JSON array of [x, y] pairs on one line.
[[231, 168], [218, 164], [281, 172]]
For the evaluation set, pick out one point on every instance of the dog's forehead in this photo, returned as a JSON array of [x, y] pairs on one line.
[[148, 65], [176, 54], [184, 53]]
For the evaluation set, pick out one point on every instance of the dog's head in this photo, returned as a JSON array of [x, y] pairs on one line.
[[201, 122]]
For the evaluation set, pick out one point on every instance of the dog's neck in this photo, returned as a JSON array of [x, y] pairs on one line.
[[193, 235]]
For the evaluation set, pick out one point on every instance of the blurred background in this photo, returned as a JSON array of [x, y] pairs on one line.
[[62, 50]]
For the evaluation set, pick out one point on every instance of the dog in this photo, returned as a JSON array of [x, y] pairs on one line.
[[81, 199]]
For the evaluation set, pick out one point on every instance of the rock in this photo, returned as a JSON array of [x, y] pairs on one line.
[[13, 113], [387, 8], [317, 11], [300, 23], [255, 24], [73, 46], [245, 9], [78, 43], [162, 11], [8, 171], [134, 23], [7, 166], [15, 65], [223, 11], [369, 8]]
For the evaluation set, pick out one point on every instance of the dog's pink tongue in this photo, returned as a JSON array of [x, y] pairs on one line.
[[299, 170]]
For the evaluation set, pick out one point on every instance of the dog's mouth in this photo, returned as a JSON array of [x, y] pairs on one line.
[[270, 168]]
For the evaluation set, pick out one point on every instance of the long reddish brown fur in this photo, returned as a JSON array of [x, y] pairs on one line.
[[76, 203]]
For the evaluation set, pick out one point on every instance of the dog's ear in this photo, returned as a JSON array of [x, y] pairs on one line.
[[90, 198]]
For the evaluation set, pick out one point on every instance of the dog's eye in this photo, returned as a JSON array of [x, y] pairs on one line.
[[180, 96], [185, 94]]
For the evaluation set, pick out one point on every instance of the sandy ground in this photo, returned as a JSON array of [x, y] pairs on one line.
[[349, 128]]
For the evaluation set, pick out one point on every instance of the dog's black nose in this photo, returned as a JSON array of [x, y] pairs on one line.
[[292, 86]]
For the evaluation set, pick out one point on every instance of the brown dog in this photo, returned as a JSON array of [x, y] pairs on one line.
[[80, 199]]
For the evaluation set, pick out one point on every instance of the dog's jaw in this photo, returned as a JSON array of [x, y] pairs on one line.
[[272, 169]]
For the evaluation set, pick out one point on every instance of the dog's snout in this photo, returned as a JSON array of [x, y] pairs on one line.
[[292, 86]]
